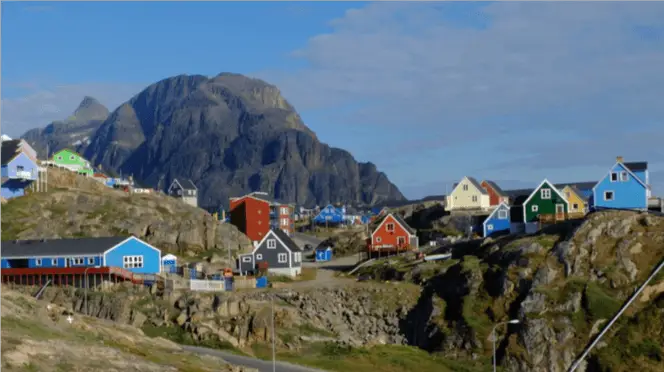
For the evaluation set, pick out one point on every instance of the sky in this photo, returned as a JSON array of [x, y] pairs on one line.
[[430, 92]]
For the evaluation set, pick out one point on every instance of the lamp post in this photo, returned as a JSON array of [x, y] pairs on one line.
[[493, 336], [85, 291]]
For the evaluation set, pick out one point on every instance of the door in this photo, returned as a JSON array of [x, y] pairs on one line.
[[560, 212]]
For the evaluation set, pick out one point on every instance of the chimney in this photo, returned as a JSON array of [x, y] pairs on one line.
[[619, 159]]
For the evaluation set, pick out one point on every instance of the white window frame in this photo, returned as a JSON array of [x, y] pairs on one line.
[[38, 261], [378, 239], [400, 239], [545, 194], [387, 227], [624, 177], [474, 198], [272, 244], [465, 187], [284, 222], [54, 262], [613, 195], [91, 260], [133, 262], [489, 227], [534, 208], [282, 258], [614, 174], [284, 210], [502, 214], [246, 259], [259, 256], [575, 206], [77, 261]]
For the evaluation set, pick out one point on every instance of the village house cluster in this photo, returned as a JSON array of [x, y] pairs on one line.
[[626, 185]]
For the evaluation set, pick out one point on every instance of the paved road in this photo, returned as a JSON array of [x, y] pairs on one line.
[[259, 364]]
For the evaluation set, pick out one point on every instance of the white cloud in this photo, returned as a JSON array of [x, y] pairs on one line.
[[39, 106], [581, 65]]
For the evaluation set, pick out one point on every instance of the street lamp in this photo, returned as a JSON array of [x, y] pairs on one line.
[[493, 336]]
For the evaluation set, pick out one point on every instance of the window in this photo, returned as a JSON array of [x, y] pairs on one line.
[[91, 260], [378, 239], [38, 262], [260, 211], [259, 257], [296, 257], [260, 222], [534, 208], [271, 244], [284, 210], [132, 262], [474, 198], [282, 258], [247, 258], [614, 177], [546, 193], [624, 177], [502, 215], [567, 195], [401, 240], [608, 195], [389, 227], [72, 157], [19, 168], [489, 227], [59, 157], [77, 261], [284, 221], [575, 206], [54, 262], [179, 192], [465, 187]]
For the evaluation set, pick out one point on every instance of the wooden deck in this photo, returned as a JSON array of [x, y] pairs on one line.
[[68, 276]]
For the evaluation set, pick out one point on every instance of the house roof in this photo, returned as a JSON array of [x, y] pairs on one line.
[[286, 240], [586, 185], [9, 150], [637, 166], [399, 220], [474, 182], [578, 193], [187, 184], [496, 188], [59, 247]]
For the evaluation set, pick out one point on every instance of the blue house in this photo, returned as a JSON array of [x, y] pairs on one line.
[[625, 186], [323, 254], [498, 221], [129, 253], [19, 170], [330, 215]]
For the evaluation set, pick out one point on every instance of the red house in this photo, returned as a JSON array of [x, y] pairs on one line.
[[496, 194], [255, 214], [393, 235]]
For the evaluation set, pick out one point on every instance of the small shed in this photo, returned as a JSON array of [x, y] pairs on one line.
[[169, 263], [323, 254]]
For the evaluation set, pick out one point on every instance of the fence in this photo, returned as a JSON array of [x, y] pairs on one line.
[[207, 285]]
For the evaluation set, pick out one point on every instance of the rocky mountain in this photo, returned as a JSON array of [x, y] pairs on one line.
[[74, 132], [230, 135]]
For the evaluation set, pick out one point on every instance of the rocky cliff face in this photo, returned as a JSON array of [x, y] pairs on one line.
[[79, 206], [230, 135], [74, 132]]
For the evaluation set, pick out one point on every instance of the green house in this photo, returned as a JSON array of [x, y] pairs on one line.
[[71, 160], [545, 204]]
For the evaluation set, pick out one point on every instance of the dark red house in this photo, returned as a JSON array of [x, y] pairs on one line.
[[393, 235], [254, 214], [496, 194]]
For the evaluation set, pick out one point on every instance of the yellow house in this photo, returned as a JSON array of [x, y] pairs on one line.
[[468, 194], [578, 204]]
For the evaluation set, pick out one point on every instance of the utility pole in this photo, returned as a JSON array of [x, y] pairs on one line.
[[274, 353]]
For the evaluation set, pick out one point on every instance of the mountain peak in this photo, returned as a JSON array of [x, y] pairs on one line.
[[90, 109]]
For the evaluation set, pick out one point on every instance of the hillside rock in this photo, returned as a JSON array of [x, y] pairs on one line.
[[74, 132], [230, 135], [79, 206]]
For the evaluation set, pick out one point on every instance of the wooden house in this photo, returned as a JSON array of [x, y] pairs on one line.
[[277, 251], [185, 190], [625, 186], [578, 202], [498, 222], [546, 204], [393, 235], [496, 195], [468, 194]]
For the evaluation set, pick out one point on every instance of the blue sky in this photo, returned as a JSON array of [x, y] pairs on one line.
[[430, 92]]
